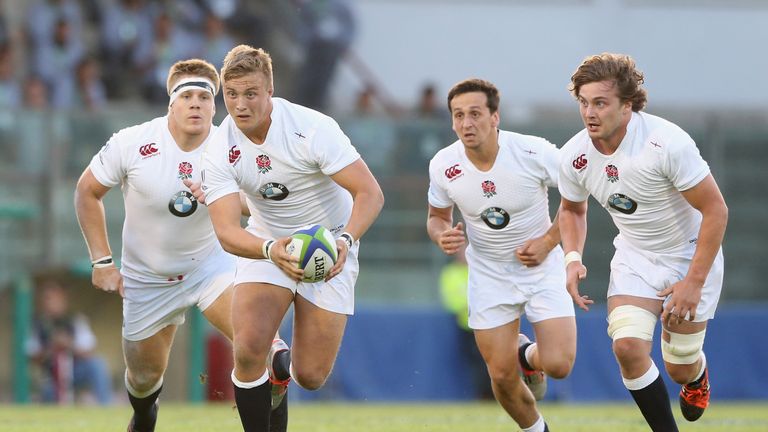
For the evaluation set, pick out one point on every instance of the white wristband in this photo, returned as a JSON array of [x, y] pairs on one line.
[[571, 257], [265, 247]]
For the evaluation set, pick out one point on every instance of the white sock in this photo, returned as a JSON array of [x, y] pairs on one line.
[[536, 427], [529, 354], [703, 366], [249, 385], [643, 381]]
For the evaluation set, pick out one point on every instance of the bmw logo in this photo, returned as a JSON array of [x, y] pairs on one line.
[[182, 204], [495, 217], [622, 203], [274, 191]]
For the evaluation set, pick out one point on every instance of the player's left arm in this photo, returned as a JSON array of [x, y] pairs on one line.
[[707, 199], [368, 200], [534, 251]]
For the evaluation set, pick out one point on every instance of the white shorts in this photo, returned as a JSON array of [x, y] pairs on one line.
[[500, 292], [150, 307], [640, 273], [336, 295]]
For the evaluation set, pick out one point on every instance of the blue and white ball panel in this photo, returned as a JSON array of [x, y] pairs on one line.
[[315, 248]]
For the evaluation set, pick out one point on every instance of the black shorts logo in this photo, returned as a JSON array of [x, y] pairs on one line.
[[495, 217], [182, 204], [622, 203], [274, 191]]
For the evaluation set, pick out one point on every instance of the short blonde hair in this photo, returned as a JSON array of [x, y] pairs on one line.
[[194, 68], [245, 59]]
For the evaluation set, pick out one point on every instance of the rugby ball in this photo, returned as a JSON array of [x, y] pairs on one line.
[[315, 248]]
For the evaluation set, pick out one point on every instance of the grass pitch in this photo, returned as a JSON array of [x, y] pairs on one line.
[[346, 417]]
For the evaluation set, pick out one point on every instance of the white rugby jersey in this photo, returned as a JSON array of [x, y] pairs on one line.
[[504, 206], [166, 233], [286, 178], [640, 183]]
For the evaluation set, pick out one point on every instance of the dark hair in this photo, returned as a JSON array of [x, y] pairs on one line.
[[620, 69], [476, 85]]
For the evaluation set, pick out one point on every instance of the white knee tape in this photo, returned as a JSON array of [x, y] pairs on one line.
[[630, 321], [682, 348]]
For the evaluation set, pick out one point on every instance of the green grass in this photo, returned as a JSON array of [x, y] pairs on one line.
[[337, 417]]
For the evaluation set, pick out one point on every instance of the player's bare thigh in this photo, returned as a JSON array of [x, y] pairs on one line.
[[498, 345], [317, 335], [556, 345], [219, 313]]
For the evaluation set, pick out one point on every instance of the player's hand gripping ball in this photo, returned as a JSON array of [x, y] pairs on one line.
[[315, 248]]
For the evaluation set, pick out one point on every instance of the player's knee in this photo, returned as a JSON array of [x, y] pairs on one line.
[[630, 327], [144, 379], [559, 368], [682, 351], [629, 351], [247, 355], [310, 379], [502, 373]]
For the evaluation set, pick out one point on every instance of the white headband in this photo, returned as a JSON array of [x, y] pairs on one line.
[[191, 83]]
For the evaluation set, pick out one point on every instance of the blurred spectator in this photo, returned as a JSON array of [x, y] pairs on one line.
[[170, 44], [35, 94], [326, 31], [10, 87], [5, 30], [428, 107], [371, 132], [216, 40], [38, 129], [91, 93], [453, 293], [42, 16], [55, 61], [125, 26], [365, 102], [62, 343]]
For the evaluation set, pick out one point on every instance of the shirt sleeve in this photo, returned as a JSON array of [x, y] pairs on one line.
[[550, 161], [437, 195], [683, 164], [107, 165], [568, 183], [218, 175], [331, 148]]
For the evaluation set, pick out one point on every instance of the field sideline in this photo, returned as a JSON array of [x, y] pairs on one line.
[[369, 417]]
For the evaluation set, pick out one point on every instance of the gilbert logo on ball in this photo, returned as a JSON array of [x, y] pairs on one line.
[[315, 247]]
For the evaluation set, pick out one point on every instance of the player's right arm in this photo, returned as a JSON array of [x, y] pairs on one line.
[[225, 215], [90, 216], [573, 234], [439, 227]]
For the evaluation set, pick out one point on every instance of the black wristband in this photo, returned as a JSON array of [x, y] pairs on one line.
[[104, 262], [348, 239]]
